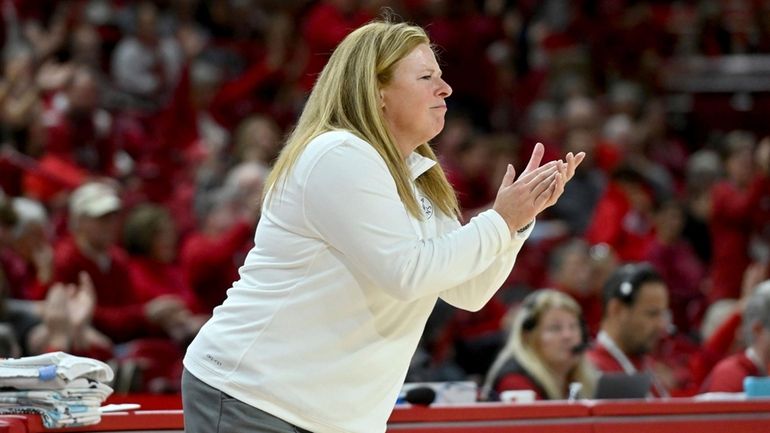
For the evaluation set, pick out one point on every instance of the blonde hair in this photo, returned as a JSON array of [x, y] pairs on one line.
[[346, 97], [519, 347]]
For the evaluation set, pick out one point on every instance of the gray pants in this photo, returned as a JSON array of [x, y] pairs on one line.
[[208, 410]]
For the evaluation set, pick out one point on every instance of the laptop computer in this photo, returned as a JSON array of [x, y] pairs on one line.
[[622, 385]]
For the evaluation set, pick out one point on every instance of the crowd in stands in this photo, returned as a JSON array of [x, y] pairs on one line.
[[135, 137]]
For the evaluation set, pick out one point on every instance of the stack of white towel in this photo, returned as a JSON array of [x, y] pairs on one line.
[[65, 390]]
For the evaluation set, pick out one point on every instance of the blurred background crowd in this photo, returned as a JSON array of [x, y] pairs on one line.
[[135, 136]]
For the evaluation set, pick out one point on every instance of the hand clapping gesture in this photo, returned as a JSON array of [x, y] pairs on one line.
[[520, 200], [66, 315]]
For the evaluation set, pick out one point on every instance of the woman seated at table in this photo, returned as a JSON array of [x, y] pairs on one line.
[[545, 351]]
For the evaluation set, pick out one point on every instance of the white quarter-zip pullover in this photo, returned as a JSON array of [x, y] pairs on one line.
[[334, 296]]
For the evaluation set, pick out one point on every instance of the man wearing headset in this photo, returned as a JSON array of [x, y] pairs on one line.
[[635, 317]]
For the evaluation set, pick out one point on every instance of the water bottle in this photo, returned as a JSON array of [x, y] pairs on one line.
[[756, 386]]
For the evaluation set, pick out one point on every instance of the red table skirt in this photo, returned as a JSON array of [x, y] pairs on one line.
[[660, 416]]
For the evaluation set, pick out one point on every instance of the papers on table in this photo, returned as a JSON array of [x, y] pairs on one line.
[[65, 390]]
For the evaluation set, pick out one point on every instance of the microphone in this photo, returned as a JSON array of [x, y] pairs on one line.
[[580, 348], [422, 396]]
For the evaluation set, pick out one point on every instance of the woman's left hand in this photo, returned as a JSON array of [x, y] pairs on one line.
[[566, 172]]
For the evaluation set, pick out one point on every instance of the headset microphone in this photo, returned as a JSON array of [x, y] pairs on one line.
[[580, 348]]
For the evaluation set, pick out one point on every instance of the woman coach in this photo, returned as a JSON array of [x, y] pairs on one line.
[[358, 238]]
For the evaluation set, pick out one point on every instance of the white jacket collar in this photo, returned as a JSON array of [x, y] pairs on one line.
[[418, 164]]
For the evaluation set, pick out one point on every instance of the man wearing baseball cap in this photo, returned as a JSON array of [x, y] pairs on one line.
[[94, 220]]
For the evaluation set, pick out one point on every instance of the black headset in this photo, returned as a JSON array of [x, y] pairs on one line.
[[625, 282]]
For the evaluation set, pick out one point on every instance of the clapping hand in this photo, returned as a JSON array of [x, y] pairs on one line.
[[82, 301], [539, 187], [66, 319]]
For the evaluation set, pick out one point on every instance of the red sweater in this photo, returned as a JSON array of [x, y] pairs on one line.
[[715, 348], [118, 312], [605, 362], [84, 141], [518, 381], [153, 279], [728, 375], [210, 264], [614, 222], [513, 376], [733, 218], [683, 273], [19, 274], [325, 27]]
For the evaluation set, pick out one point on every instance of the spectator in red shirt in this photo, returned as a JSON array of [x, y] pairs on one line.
[[257, 139], [8, 219], [150, 239], [61, 322], [570, 270], [720, 328], [635, 305], [622, 218], [65, 318], [728, 375], [736, 202], [9, 340], [679, 266], [543, 352], [210, 256], [118, 313], [28, 260], [77, 130], [327, 23]]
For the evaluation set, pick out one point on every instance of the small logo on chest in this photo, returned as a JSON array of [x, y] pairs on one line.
[[427, 207]]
